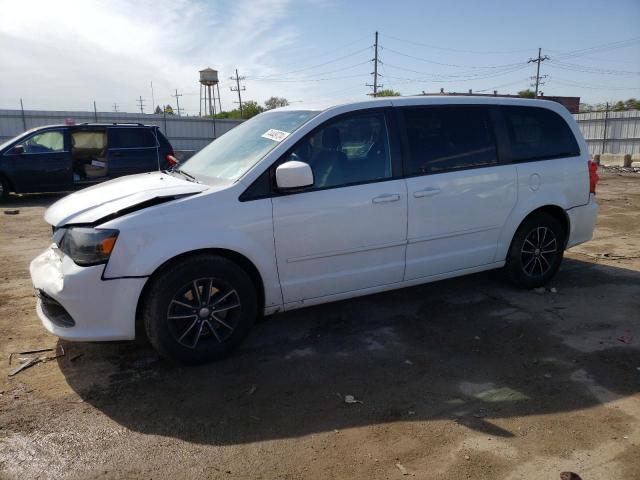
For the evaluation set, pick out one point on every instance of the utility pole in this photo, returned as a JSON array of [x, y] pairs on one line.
[[375, 70], [538, 60], [238, 89], [177, 97], [115, 107], [95, 111], [140, 102]]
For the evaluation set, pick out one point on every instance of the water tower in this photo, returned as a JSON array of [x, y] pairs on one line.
[[209, 85]]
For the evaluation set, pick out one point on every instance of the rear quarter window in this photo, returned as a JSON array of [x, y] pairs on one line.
[[538, 134], [125, 137]]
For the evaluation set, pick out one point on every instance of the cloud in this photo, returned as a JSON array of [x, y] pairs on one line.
[[64, 55]]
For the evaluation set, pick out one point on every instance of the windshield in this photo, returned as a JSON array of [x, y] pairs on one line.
[[235, 152], [17, 137]]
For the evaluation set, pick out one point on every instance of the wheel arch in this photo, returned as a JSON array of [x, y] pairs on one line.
[[242, 261]]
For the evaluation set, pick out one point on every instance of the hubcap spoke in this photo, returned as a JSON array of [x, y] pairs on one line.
[[221, 322], [213, 331], [186, 332], [222, 299], [196, 291], [181, 317], [182, 304], [224, 309]]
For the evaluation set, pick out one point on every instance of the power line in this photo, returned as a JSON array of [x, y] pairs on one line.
[[311, 67], [177, 97], [435, 47], [538, 60], [450, 64], [238, 89], [115, 107], [599, 48], [140, 102]]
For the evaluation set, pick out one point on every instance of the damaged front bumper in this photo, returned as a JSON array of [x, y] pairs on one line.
[[76, 303]]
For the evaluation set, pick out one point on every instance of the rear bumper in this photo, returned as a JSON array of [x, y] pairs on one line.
[[90, 309], [582, 222]]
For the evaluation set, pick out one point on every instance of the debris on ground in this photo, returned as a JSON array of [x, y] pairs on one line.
[[540, 290], [403, 470], [626, 337], [351, 399], [467, 457], [553, 290], [27, 352], [547, 375], [76, 357], [569, 476], [252, 390], [408, 362], [28, 362], [13, 211]]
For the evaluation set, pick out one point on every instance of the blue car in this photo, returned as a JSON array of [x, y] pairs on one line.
[[66, 157]]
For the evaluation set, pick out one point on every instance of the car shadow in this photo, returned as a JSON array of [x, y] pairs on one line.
[[473, 350]]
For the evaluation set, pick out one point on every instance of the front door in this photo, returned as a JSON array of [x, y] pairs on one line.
[[45, 163], [131, 150], [459, 194], [348, 231]]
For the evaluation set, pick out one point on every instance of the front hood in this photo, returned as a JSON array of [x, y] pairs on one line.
[[106, 199]]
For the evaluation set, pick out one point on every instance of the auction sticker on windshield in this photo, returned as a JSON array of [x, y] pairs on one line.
[[275, 135]]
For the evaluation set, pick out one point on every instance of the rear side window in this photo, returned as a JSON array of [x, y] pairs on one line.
[[538, 134], [125, 137], [449, 138]]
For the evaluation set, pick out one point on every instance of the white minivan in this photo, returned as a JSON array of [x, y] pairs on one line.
[[302, 206]]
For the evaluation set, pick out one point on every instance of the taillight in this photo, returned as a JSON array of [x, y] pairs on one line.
[[593, 176], [171, 160]]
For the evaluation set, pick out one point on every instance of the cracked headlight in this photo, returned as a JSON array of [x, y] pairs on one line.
[[88, 246]]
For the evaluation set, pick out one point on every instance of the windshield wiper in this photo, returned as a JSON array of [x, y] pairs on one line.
[[185, 174]]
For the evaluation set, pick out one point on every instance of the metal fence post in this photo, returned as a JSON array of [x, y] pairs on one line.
[[24, 120], [604, 134]]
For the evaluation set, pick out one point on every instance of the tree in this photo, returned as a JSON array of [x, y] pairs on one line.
[[168, 109], [158, 110], [619, 106], [251, 109], [527, 93], [387, 92], [275, 102]]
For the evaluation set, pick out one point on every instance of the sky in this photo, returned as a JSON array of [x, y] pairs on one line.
[[64, 55]]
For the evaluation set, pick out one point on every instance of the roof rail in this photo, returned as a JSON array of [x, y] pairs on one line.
[[112, 123]]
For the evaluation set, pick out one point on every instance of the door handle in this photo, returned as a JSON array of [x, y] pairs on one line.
[[427, 192], [386, 198]]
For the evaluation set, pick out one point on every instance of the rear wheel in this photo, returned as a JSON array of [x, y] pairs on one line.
[[199, 309], [536, 251]]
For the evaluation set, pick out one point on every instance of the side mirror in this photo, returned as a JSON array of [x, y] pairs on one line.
[[18, 150], [293, 174]]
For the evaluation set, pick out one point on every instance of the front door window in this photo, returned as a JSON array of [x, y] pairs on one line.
[[45, 142]]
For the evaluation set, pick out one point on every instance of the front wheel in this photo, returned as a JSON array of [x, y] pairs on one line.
[[199, 309], [536, 251]]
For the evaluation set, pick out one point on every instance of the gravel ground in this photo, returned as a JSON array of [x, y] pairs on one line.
[[465, 378]]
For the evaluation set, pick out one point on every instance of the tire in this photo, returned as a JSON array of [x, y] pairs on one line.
[[187, 325], [4, 188], [532, 261]]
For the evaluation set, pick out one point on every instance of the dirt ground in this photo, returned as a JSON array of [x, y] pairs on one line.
[[468, 378]]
